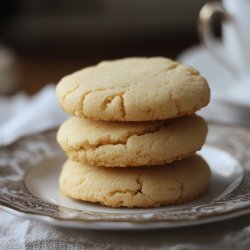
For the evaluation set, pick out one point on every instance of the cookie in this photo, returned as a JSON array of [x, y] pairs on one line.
[[133, 89], [178, 182], [116, 144]]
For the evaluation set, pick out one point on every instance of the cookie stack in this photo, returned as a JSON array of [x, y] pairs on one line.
[[133, 136]]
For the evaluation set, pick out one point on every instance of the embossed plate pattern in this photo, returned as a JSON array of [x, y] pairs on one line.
[[17, 161]]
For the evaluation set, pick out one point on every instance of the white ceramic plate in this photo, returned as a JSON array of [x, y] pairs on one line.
[[42, 182], [29, 188], [224, 87]]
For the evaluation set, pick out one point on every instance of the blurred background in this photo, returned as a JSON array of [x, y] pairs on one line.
[[42, 40]]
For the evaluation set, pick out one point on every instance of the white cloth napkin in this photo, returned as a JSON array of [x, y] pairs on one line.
[[21, 115], [20, 234], [226, 114]]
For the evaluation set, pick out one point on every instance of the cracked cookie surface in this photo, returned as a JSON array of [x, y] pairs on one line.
[[176, 182], [116, 144], [133, 89]]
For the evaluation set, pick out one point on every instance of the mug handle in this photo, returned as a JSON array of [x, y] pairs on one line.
[[207, 35]]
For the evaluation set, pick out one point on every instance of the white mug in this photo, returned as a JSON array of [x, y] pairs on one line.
[[234, 49]]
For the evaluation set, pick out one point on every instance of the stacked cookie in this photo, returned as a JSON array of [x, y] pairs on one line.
[[133, 135]]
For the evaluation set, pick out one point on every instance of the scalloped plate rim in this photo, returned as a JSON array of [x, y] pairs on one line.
[[107, 225]]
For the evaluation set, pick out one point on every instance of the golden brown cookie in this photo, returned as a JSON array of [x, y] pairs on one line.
[[177, 182], [133, 89], [116, 144]]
